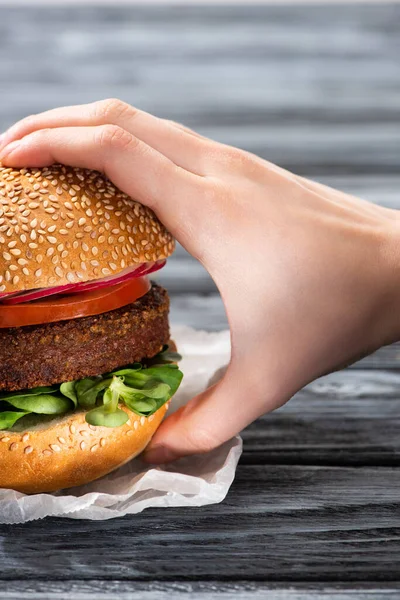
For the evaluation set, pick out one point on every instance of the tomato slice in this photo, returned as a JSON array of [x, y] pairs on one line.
[[84, 304]]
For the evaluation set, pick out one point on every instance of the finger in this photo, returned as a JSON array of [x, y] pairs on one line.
[[208, 420], [133, 166], [176, 143], [188, 130]]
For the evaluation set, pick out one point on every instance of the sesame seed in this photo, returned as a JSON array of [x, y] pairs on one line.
[[55, 447], [72, 429], [82, 445], [13, 446], [102, 442], [28, 450], [62, 440], [25, 437], [142, 420], [94, 448]]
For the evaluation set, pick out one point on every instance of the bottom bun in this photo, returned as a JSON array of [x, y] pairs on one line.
[[67, 452]]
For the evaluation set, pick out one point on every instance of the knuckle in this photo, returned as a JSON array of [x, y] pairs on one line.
[[111, 109], [112, 136], [233, 159], [42, 135]]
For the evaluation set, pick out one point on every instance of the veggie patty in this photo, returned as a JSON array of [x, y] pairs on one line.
[[44, 355]]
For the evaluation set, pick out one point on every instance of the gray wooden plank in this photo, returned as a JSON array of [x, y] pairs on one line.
[[313, 88], [350, 417], [207, 590], [279, 523]]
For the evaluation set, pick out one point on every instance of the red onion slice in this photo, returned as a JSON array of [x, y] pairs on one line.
[[74, 288], [37, 294]]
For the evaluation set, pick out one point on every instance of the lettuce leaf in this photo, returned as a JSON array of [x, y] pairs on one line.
[[143, 388]]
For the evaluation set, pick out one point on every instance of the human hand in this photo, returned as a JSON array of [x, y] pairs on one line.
[[308, 275]]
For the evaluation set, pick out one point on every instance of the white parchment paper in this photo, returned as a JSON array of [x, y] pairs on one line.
[[193, 481]]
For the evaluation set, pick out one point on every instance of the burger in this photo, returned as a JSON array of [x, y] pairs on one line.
[[87, 368]]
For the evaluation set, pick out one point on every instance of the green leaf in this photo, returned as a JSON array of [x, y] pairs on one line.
[[169, 374], [68, 389], [129, 370], [43, 390], [146, 401], [32, 392], [111, 395], [135, 379], [43, 404], [101, 417], [8, 418], [144, 389], [144, 408], [165, 356], [88, 389]]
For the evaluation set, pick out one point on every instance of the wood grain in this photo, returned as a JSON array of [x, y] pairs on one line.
[[347, 418], [203, 590], [314, 511], [278, 523]]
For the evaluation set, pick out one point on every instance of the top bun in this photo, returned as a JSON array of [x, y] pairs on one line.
[[62, 225]]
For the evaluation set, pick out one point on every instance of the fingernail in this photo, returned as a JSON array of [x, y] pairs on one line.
[[158, 454]]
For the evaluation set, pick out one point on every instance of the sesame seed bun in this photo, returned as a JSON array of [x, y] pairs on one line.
[[67, 452], [62, 225]]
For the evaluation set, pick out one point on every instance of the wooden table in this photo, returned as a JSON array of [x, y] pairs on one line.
[[314, 511]]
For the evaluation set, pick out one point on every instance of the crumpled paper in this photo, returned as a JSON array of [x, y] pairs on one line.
[[191, 481]]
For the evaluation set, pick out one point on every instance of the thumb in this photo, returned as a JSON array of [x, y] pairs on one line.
[[210, 419]]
